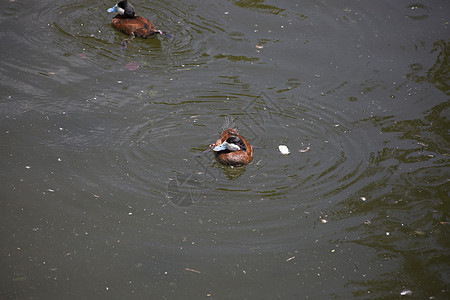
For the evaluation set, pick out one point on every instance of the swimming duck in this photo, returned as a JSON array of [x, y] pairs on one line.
[[232, 149], [127, 22]]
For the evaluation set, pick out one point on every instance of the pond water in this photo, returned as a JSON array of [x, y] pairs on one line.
[[104, 195]]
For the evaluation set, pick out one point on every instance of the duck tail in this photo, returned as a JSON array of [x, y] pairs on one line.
[[229, 123]]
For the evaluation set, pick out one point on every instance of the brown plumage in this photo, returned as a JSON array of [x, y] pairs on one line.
[[233, 158], [136, 26]]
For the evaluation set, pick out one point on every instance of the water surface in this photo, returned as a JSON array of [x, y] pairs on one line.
[[103, 195]]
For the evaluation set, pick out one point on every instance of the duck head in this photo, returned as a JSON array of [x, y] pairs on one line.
[[233, 143], [123, 8]]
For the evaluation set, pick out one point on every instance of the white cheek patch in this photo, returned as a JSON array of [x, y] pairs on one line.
[[120, 11], [233, 147]]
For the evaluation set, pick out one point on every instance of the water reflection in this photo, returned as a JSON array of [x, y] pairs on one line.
[[259, 5], [438, 73]]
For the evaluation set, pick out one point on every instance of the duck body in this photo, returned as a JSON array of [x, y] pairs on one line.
[[232, 149], [127, 22]]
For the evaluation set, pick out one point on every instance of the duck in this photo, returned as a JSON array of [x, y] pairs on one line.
[[127, 22], [232, 149]]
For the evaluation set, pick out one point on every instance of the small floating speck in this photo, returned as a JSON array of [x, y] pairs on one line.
[[283, 149], [27, 167], [132, 66], [363, 198], [388, 233], [259, 46], [323, 221], [50, 190]]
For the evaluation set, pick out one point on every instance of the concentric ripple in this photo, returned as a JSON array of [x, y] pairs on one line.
[[329, 160]]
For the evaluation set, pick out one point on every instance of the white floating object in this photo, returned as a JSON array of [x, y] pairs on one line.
[[406, 293], [284, 149]]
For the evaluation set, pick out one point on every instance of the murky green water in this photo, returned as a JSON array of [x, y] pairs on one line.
[[102, 193]]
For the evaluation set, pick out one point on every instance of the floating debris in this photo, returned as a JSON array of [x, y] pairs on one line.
[[323, 221], [290, 258], [284, 149], [259, 46], [363, 198], [304, 150], [192, 270], [406, 293]]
